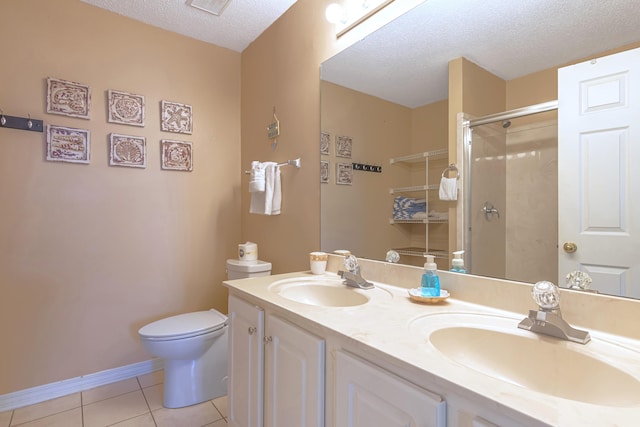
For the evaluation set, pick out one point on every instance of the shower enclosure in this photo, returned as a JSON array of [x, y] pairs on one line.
[[509, 225]]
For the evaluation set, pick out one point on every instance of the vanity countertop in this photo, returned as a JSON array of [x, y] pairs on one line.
[[384, 325]]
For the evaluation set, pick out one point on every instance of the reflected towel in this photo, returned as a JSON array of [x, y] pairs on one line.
[[448, 189], [268, 202], [257, 181]]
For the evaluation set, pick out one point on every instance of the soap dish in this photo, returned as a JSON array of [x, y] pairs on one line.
[[415, 294]]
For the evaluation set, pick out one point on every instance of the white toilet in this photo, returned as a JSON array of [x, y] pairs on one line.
[[194, 347]]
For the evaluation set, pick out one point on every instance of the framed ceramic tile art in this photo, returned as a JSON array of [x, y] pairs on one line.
[[175, 117], [127, 150], [125, 108], [68, 98], [325, 139], [176, 155], [344, 173], [324, 172], [343, 146], [68, 144]]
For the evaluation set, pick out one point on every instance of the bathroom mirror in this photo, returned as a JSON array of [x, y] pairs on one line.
[[405, 64]]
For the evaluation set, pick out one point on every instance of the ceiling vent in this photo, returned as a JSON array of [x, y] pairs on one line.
[[215, 7]]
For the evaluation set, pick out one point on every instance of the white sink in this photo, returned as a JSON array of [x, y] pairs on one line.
[[494, 346], [325, 291]]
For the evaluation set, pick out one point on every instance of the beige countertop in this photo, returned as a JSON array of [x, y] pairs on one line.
[[397, 327]]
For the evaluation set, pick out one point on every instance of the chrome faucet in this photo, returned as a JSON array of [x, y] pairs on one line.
[[548, 319], [352, 277]]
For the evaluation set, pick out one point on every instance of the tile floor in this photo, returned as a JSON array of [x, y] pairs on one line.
[[136, 402]]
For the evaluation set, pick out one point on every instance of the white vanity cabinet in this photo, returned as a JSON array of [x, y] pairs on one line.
[[276, 370], [246, 363], [367, 395]]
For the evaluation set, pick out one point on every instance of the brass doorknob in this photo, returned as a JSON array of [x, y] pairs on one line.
[[570, 247]]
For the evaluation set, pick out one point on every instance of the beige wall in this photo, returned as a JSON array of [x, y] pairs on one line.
[[90, 253], [356, 217]]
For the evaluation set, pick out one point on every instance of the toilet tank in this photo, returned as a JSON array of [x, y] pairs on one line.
[[237, 269]]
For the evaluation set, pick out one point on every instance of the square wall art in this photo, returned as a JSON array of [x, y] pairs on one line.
[[125, 108], [344, 173], [324, 172], [68, 98], [325, 139], [177, 155], [68, 144], [176, 117], [343, 146], [127, 150]]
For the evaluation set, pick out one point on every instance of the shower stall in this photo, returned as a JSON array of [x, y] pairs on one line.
[[508, 221]]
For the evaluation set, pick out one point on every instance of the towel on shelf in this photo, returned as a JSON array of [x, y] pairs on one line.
[[408, 208], [269, 201], [443, 216], [257, 180], [448, 188]]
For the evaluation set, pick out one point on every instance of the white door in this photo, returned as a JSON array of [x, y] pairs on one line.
[[294, 370], [246, 363], [599, 172], [366, 395]]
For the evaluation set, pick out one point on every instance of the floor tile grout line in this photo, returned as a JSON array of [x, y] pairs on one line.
[[147, 402]]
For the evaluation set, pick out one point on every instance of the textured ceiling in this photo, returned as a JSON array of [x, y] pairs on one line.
[[406, 61], [238, 25]]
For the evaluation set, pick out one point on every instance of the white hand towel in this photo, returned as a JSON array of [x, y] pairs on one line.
[[257, 181], [268, 202], [448, 189]]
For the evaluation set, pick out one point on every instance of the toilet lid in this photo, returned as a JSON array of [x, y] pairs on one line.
[[184, 325]]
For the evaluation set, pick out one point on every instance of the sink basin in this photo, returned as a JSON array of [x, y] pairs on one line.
[[494, 346], [325, 292]]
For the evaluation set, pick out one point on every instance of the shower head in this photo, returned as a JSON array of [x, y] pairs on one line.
[[506, 123]]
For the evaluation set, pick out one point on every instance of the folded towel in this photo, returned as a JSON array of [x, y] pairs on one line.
[[438, 215], [257, 181], [268, 202], [448, 189], [401, 202]]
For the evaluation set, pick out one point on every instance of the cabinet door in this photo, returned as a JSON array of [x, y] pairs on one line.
[[294, 372], [366, 395], [246, 363]]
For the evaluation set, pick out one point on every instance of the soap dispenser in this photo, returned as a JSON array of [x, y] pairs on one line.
[[430, 286], [457, 264]]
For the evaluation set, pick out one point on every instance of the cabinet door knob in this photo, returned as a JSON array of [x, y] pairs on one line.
[[267, 340], [252, 330]]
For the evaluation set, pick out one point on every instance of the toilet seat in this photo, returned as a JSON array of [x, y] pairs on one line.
[[184, 326]]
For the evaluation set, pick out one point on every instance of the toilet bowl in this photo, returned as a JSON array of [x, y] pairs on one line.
[[194, 349]]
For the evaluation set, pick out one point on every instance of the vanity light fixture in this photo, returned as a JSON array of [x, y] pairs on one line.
[[215, 7], [353, 13]]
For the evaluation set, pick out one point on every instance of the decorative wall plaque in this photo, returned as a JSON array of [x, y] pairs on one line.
[[343, 146], [68, 98], [325, 139], [176, 117], [344, 173], [177, 155], [127, 150], [324, 172], [125, 108], [68, 144]]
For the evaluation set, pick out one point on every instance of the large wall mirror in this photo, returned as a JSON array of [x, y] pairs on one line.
[[388, 118]]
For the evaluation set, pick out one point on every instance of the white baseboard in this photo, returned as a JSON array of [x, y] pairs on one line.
[[50, 391]]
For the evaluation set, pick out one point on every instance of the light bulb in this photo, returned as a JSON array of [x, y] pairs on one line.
[[334, 13]]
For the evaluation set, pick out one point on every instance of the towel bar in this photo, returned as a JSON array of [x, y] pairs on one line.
[[295, 162]]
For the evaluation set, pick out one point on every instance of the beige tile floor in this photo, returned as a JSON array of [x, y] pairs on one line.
[[136, 402]]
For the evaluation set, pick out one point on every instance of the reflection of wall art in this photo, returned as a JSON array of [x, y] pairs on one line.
[[176, 117], [125, 108], [128, 150], [344, 173], [343, 146], [68, 144], [177, 155], [68, 98], [324, 172], [324, 143]]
